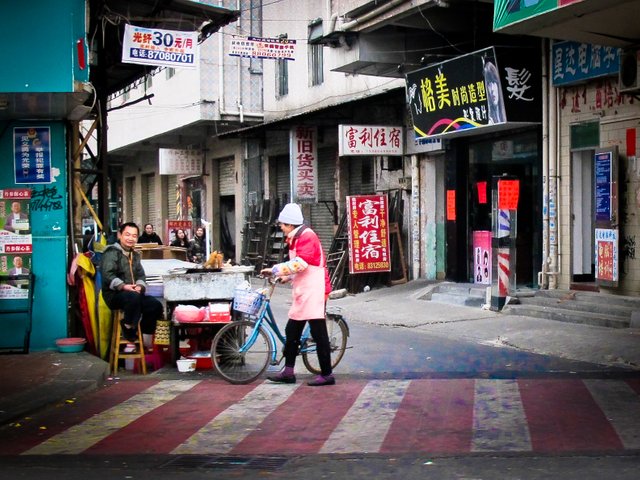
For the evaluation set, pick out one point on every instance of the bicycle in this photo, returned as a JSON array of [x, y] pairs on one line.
[[243, 349]]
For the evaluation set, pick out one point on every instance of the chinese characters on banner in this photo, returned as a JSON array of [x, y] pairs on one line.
[[304, 164], [451, 205], [575, 62], [154, 46], [607, 254], [180, 162], [370, 140], [256, 47], [32, 154], [368, 218], [508, 193], [15, 241]]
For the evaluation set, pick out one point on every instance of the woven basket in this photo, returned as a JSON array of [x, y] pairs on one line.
[[247, 301]]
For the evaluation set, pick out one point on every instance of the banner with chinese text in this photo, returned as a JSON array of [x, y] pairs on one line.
[[256, 47], [15, 241], [154, 46], [32, 154], [304, 164], [172, 226], [606, 256], [368, 219], [370, 140]]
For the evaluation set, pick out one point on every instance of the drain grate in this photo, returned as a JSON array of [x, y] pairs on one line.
[[226, 462]]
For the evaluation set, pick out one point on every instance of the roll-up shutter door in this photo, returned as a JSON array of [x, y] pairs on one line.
[[171, 196], [283, 178], [149, 194], [226, 177], [322, 213], [128, 199]]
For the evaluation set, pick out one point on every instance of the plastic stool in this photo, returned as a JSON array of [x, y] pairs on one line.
[[117, 341]]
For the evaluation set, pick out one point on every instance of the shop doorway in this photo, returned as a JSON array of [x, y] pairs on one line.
[[582, 221]]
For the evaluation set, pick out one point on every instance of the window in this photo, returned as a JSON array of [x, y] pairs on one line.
[[316, 75], [282, 78], [170, 72]]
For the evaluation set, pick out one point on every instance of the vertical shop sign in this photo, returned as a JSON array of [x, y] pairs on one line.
[[15, 241], [304, 164], [451, 205], [32, 154], [607, 255], [368, 218]]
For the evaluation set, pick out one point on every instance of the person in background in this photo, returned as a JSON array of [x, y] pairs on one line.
[[124, 284], [308, 274], [197, 247], [181, 239], [149, 236]]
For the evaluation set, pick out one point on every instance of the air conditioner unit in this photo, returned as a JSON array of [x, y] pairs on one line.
[[629, 77]]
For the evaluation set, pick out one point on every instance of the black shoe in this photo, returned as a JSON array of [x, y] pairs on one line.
[[320, 381], [129, 334], [282, 378]]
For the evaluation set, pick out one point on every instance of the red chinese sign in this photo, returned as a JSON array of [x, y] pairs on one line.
[[370, 140], [304, 164], [508, 193], [482, 192], [172, 226], [368, 234], [451, 205]]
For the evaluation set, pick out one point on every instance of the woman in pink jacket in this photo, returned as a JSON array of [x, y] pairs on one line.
[[307, 272]]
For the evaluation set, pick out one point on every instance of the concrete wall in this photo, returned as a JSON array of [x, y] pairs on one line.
[[597, 101]]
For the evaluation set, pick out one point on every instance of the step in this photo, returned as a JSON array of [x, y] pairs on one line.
[[602, 307], [592, 297], [566, 315], [455, 299]]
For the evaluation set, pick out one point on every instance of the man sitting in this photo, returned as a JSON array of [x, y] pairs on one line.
[[124, 284]]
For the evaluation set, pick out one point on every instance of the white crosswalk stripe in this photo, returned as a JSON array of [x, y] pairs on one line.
[[367, 422], [79, 437], [231, 426], [499, 421], [621, 405]]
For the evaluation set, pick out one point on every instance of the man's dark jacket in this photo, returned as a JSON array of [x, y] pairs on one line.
[[117, 270]]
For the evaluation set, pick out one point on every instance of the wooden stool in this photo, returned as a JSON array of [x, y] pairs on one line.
[[118, 341]]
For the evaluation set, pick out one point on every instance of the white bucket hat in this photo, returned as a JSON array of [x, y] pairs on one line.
[[291, 214]]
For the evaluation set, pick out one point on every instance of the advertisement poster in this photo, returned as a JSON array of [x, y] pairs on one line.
[[304, 164], [369, 249], [482, 257], [607, 255], [256, 47], [32, 154], [15, 242], [173, 225], [603, 185], [154, 46]]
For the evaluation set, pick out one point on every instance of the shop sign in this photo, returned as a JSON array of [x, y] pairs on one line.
[[180, 162], [304, 164], [172, 226], [370, 140], [606, 255], [603, 170], [32, 154], [157, 47], [476, 90], [256, 47], [416, 145], [507, 12], [368, 221], [16, 245], [575, 62]]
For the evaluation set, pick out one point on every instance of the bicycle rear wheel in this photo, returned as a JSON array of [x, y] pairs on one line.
[[234, 359], [338, 333]]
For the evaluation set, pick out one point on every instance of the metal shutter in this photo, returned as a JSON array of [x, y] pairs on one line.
[[283, 178], [322, 213], [226, 177], [171, 197], [149, 194], [128, 213]]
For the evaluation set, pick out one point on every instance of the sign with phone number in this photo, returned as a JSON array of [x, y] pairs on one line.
[[154, 46], [369, 250]]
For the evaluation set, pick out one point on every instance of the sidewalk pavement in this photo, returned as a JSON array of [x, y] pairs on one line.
[[29, 382]]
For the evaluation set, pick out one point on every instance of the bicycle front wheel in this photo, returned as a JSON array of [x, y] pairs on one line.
[[237, 355], [338, 333]]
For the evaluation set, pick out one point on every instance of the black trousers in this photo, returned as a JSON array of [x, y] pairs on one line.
[[138, 308], [293, 332]]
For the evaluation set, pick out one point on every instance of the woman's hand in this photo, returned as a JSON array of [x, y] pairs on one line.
[[266, 272]]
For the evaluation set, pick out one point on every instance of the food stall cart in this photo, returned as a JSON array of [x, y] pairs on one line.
[[199, 288]]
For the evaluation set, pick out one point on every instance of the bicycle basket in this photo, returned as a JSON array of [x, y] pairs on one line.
[[247, 301]]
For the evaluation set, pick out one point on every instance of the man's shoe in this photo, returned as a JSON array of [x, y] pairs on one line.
[[282, 378], [321, 380], [129, 334]]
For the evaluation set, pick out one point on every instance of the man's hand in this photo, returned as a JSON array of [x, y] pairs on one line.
[[132, 288]]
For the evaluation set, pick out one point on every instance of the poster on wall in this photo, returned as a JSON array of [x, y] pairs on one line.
[[368, 219], [173, 226], [482, 257], [15, 241], [606, 256], [32, 155]]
